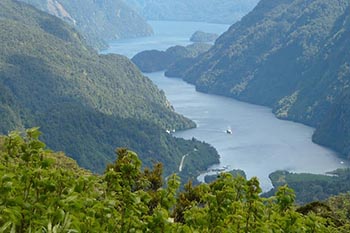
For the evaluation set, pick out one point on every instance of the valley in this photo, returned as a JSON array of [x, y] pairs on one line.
[[260, 143], [112, 123]]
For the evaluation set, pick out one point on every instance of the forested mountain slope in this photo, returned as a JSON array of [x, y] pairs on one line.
[[223, 11], [292, 55], [312, 187], [86, 104], [97, 20]]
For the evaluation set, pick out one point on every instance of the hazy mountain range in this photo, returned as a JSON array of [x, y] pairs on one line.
[[98, 20], [223, 11]]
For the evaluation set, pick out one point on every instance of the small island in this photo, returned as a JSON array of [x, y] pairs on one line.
[[204, 37]]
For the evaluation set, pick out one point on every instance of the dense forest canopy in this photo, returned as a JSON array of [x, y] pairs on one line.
[[312, 187], [85, 103], [45, 192], [290, 55]]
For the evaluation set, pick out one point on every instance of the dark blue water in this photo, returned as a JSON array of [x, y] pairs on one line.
[[259, 143]]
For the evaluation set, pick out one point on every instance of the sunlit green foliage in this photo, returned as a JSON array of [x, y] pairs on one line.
[[38, 195]]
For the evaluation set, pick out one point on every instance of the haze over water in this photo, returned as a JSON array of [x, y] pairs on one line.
[[259, 144], [166, 34]]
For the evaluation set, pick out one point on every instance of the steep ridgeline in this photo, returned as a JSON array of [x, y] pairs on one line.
[[223, 11], [97, 20], [86, 104], [291, 55]]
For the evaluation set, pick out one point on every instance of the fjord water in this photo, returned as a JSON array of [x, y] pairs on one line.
[[259, 144], [166, 34]]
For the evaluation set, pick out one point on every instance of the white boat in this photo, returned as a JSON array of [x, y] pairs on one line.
[[229, 131]]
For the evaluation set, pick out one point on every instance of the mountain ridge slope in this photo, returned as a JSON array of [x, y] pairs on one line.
[[289, 55], [85, 103]]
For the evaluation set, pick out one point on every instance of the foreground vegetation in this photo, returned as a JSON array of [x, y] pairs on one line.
[[42, 191]]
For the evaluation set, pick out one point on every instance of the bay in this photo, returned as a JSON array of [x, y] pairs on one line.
[[259, 144]]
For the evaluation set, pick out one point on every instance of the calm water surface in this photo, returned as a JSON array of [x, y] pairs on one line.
[[166, 34], [259, 143]]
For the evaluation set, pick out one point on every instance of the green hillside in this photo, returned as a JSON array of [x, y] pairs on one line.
[[98, 21], [312, 187], [290, 55], [86, 104]]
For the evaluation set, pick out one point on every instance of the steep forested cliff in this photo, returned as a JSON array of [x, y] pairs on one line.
[[292, 55], [85, 103]]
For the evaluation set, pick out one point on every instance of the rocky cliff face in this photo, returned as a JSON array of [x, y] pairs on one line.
[[56, 9], [99, 21]]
